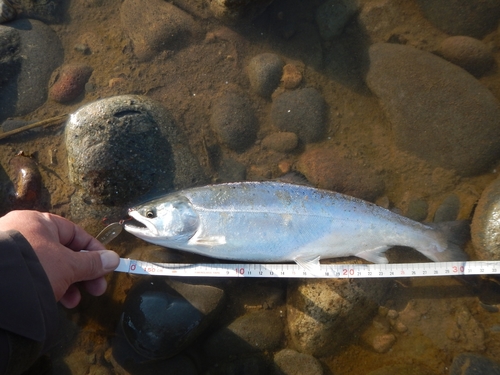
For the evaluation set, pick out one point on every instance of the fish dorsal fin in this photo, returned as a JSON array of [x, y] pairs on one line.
[[310, 264], [374, 255]]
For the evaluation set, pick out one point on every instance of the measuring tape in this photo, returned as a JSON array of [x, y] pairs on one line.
[[324, 271]]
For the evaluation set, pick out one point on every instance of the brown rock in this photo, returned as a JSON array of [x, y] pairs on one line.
[[70, 82], [281, 142], [291, 77], [328, 169]]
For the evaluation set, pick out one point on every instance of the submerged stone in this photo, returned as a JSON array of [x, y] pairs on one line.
[[435, 107]]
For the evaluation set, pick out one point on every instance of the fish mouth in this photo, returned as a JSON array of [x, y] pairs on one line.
[[148, 230]]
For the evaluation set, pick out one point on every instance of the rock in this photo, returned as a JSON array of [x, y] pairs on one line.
[[290, 362], [281, 142], [27, 182], [473, 18], [121, 147], [325, 314], [251, 365], [231, 170], [302, 112], [253, 332], [379, 18], [264, 73], [292, 77], [41, 53], [162, 317], [382, 343], [448, 210], [328, 169], [232, 10], [485, 228], [233, 121], [10, 59], [473, 364], [417, 210], [468, 53], [333, 15], [69, 82], [169, 28], [50, 11], [419, 93]]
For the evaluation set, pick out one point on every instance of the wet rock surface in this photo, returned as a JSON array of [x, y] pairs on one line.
[[468, 53], [264, 73], [419, 94], [70, 82], [122, 147], [233, 121], [323, 314], [302, 112], [281, 142], [161, 318], [290, 362], [27, 183], [169, 28], [473, 364], [41, 53], [331, 170], [456, 17], [485, 228]]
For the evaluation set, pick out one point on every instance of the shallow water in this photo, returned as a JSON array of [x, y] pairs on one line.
[[443, 316]]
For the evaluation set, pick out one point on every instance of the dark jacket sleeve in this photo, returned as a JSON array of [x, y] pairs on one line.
[[28, 309]]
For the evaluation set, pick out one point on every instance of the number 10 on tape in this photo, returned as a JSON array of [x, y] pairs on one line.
[[324, 271]]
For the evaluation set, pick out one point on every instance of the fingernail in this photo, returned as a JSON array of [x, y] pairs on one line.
[[109, 260]]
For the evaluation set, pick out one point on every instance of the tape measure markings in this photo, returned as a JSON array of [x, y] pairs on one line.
[[295, 271]]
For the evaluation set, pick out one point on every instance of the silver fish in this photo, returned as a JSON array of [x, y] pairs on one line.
[[279, 222]]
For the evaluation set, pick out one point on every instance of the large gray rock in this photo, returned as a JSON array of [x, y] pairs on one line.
[[435, 108], [324, 314], [120, 148], [168, 27], [462, 17], [30, 53]]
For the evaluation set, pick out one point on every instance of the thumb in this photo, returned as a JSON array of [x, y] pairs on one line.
[[93, 264]]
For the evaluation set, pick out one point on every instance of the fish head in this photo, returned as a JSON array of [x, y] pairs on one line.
[[166, 220]]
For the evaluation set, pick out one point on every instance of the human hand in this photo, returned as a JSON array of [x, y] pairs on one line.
[[57, 243]]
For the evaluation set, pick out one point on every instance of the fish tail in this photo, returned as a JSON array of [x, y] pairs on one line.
[[452, 235]]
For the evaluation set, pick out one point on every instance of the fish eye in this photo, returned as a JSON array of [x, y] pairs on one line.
[[150, 214]]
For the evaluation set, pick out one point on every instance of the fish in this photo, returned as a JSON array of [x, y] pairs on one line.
[[272, 222]]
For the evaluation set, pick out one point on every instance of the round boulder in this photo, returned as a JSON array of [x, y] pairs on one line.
[[468, 53], [435, 107], [302, 112], [264, 73], [233, 121]]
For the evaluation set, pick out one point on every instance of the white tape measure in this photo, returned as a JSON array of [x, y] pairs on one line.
[[295, 271]]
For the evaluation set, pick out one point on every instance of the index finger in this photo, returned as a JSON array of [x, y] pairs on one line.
[[74, 236]]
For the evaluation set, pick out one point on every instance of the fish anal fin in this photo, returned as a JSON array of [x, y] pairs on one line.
[[375, 255], [310, 264], [208, 241]]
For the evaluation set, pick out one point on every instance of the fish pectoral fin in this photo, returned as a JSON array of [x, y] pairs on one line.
[[374, 255], [208, 241], [310, 264]]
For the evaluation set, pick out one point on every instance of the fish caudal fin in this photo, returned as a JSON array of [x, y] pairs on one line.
[[455, 234]]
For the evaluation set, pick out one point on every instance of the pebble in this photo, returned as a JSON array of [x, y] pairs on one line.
[[383, 343], [418, 92], [27, 182], [292, 76], [333, 15], [281, 142], [264, 72], [448, 210], [302, 112], [121, 147], [417, 210], [379, 18], [474, 18], [40, 52], [162, 317], [473, 364], [69, 82], [468, 53], [485, 228], [325, 314], [290, 362], [253, 332], [328, 169], [169, 28], [233, 121]]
